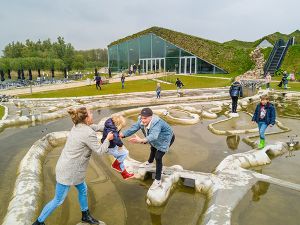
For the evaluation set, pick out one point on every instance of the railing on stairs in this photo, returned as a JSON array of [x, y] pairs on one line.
[[290, 42], [278, 44], [270, 59]]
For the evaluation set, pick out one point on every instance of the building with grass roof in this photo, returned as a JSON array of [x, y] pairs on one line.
[[158, 49]]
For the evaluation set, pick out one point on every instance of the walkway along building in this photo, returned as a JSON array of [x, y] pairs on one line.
[[155, 53]]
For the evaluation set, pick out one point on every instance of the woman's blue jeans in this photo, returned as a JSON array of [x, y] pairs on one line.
[[262, 126], [120, 155], [61, 192]]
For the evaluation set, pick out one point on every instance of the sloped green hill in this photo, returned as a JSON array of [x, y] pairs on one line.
[[291, 61], [233, 56], [230, 58], [239, 44], [272, 38]]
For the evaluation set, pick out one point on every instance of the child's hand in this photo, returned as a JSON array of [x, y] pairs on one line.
[[110, 136], [121, 135]]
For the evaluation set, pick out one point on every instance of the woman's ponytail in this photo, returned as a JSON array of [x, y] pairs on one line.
[[78, 115]]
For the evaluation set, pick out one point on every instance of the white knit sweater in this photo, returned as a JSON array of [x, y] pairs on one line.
[[73, 161]]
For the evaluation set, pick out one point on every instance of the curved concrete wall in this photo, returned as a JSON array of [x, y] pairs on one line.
[[28, 186]]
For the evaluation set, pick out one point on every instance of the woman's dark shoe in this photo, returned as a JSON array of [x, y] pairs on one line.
[[86, 217], [38, 223]]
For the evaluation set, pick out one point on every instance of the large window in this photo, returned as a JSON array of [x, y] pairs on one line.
[[145, 46], [113, 57], [158, 47], [184, 53], [123, 55], [133, 51], [172, 50], [172, 64]]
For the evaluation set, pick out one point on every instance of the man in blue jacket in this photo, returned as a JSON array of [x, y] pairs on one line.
[[264, 116], [158, 134]]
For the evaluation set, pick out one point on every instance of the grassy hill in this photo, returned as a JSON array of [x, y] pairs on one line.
[[233, 56], [230, 58], [272, 38], [291, 61]]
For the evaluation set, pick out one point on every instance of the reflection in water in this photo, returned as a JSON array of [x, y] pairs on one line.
[[258, 189], [279, 206], [233, 141]]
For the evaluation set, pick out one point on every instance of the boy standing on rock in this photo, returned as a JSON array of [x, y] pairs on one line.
[[264, 116]]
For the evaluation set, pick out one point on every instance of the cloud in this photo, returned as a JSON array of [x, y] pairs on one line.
[[95, 23]]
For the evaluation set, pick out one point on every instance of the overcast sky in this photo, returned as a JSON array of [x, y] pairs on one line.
[[95, 23]]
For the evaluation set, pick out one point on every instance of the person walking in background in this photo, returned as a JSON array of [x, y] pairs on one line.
[[285, 79], [73, 162], [116, 146], [158, 134], [109, 72], [264, 115], [130, 70], [123, 81], [158, 90], [268, 79], [179, 85], [98, 82], [235, 92]]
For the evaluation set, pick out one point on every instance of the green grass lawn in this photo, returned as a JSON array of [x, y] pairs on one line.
[[2, 109], [293, 86], [131, 86], [230, 75]]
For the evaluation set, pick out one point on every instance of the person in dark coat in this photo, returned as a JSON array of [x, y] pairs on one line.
[[116, 146], [235, 92], [109, 72], [98, 82], [123, 81], [264, 115], [179, 85], [285, 80]]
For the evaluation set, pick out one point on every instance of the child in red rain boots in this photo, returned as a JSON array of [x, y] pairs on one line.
[[116, 147]]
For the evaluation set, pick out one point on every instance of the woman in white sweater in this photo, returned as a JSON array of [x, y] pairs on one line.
[[73, 161]]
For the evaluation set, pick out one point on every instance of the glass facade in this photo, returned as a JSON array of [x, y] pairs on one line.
[[154, 54]]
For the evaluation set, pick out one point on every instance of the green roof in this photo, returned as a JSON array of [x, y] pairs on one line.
[[229, 58], [272, 38], [232, 56]]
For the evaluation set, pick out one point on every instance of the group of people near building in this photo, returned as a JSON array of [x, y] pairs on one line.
[[286, 77], [133, 69]]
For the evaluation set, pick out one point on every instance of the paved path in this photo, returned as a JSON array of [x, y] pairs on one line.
[[73, 84]]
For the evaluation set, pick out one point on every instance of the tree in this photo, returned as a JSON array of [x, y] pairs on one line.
[[78, 62]]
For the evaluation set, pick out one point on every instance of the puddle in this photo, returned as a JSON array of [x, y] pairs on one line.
[[267, 204]]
